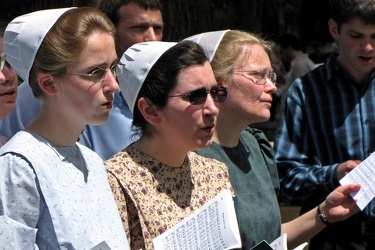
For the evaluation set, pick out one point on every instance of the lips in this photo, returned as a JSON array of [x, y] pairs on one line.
[[9, 95], [366, 59], [107, 105], [8, 92], [270, 100], [209, 128]]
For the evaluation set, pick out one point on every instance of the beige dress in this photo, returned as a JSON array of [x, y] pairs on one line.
[[153, 197]]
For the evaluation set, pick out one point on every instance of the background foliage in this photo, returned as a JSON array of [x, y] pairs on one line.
[[305, 18]]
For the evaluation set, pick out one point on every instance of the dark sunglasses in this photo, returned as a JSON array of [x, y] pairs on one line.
[[199, 96]]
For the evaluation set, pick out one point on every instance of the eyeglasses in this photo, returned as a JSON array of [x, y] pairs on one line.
[[199, 96], [2, 60], [259, 76], [98, 75]]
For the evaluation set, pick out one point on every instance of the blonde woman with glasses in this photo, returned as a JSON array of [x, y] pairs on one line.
[[241, 63]]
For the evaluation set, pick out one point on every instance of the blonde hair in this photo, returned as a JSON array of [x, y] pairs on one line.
[[234, 49], [65, 42]]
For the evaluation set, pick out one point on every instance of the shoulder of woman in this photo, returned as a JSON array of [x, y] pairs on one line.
[[18, 168], [118, 160], [208, 162], [257, 134]]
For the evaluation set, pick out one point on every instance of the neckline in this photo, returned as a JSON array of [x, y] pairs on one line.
[[185, 164], [62, 152]]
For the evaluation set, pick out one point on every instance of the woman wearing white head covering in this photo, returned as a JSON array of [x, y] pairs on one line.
[[54, 192], [240, 61], [157, 181]]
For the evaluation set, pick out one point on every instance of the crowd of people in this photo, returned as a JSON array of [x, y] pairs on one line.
[[115, 136]]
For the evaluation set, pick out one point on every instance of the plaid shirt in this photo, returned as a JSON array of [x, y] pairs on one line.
[[328, 119]]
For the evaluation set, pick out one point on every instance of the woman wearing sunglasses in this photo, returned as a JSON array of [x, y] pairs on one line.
[[241, 63], [8, 84], [54, 192], [157, 181]]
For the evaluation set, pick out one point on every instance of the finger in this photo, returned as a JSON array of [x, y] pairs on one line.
[[349, 188]]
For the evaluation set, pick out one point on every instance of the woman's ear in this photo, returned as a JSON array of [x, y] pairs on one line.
[[148, 112], [46, 83]]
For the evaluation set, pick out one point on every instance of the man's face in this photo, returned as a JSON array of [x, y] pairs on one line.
[[356, 42], [138, 25]]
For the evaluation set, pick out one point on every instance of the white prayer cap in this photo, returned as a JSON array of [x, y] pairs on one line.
[[209, 41], [24, 35], [138, 60]]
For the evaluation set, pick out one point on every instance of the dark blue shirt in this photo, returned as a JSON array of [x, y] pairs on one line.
[[328, 119]]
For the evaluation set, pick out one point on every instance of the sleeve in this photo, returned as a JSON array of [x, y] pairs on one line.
[[20, 203], [128, 212], [227, 185], [302, 176], [26, 109], [268, 155], [14, 235], [119, 196]]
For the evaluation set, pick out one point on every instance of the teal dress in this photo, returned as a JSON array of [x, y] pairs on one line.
[[254, 178]]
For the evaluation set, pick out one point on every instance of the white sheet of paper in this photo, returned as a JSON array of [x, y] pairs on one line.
[[281, 243], [212, 226], [364, 174]]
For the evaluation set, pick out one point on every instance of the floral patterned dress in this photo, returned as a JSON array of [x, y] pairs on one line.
[[153, 197]]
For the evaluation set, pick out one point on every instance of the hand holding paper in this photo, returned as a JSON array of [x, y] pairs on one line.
[[363, 174]]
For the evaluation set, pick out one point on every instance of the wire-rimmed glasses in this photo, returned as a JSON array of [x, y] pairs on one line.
[[2, 60], [98, 75], [259, 76]]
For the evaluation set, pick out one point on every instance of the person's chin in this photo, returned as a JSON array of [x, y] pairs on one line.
[[7, 107], [100, 119], [205, 144], [263, 117]]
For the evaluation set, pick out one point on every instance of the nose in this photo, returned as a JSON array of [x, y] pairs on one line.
[[210, 107], [368, 44], [110, 82], [150, 35], [7, 75], [270, 86], [2, 78]]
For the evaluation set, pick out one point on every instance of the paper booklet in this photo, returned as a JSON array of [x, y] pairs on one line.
[[364, 174], [278, 244], [212, 226]]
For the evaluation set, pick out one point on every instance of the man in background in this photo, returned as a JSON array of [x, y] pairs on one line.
[[328, 126], [136, 21], [294, 58]]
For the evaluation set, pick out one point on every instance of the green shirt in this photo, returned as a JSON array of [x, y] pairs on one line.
[[254, 178]]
